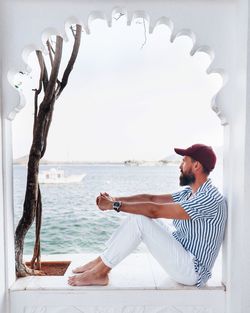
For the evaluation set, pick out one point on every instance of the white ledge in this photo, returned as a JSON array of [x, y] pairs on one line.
[[137, 272]]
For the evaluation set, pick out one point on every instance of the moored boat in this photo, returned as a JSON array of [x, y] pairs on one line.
[[56, 176]]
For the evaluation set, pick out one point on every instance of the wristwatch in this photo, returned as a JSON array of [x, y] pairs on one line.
[[117, 205]]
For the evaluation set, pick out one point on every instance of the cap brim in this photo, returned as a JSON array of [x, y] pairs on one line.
[[180, 151]]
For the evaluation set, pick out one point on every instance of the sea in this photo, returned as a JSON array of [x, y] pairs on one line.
[[71, 221]]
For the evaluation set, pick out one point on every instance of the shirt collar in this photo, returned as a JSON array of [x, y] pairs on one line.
[[204, 186]]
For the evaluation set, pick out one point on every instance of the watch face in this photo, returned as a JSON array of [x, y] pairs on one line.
[[117, 205]]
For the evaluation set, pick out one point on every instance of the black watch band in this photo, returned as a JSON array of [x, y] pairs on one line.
[[117, 205]]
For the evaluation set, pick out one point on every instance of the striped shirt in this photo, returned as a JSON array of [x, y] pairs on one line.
[[203, 233]]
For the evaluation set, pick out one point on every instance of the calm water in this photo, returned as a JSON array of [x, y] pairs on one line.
[[72, 222]]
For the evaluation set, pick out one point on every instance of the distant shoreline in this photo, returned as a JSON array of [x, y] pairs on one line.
[[167, 161], [137, 163], [68, 163]]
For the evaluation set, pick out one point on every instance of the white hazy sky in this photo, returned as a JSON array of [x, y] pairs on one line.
[[123, 102]]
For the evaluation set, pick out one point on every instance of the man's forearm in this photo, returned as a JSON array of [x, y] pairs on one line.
[[136, 198], [147, 198], [146, 208], [155, 210]]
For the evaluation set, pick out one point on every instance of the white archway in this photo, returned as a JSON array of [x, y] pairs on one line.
[[171, 115]]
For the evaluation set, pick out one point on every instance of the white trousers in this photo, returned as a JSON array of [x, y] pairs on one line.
[[158, 238]]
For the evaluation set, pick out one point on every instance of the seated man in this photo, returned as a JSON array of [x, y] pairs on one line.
[[199, 215]]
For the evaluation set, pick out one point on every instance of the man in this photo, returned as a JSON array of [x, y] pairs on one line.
[[199, 215]]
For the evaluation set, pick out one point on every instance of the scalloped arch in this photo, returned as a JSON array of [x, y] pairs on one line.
[[131, 16]]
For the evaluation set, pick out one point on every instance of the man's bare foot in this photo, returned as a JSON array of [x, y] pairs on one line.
[[98, 275], [86, 267], [89, 278]]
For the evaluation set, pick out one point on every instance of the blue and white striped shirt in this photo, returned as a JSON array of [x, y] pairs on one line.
[[203, 233]]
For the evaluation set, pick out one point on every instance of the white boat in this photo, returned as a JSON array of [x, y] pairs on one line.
[[56, 176]]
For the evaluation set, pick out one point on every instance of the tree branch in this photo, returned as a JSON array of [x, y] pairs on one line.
[[73, 31], [43, 81], [145, 34], [119, 16], [50, 49], [43, 69], [72, 59], [49, 92]]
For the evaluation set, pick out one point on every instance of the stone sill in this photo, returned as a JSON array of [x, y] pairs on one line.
[[137, 272]]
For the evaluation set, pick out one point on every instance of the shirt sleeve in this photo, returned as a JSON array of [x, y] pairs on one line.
[[200, 206], [178, 196]]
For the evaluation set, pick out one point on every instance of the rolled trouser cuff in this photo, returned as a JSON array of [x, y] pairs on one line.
[[106, 262]]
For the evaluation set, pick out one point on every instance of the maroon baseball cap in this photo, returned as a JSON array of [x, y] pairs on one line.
[[202, 153]]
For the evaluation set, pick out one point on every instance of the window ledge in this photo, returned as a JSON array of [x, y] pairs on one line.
[[138, 284], [138, 271]]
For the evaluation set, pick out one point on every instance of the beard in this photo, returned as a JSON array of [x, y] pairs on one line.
[[187, 179]]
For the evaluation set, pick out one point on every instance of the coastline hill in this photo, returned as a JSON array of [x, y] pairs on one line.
[[24, 161]]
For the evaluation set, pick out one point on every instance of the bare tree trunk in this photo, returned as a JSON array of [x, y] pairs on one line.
[[37, 247], [52, 88]]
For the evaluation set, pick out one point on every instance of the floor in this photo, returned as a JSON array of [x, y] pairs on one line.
[[138, 271]]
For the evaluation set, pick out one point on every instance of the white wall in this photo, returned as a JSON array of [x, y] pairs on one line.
[[2, 254], [237, 169], [246, 212], [7, 261], [2, 248], [2, 233]]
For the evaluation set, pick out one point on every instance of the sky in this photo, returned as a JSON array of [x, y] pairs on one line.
[[126, 98]]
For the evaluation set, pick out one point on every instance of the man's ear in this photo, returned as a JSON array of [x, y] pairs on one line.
[[197, 165]]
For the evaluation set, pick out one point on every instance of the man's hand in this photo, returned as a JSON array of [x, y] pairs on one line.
[[104, 202], [105, 195]]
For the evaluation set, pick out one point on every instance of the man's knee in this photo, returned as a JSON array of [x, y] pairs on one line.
[[140, 219]]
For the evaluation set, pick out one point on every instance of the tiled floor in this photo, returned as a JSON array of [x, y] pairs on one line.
[[137, 271]]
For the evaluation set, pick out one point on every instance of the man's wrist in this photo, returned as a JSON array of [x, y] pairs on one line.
[[117, 206]]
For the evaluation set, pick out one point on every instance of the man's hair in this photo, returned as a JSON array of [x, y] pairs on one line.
[[205, 171]]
